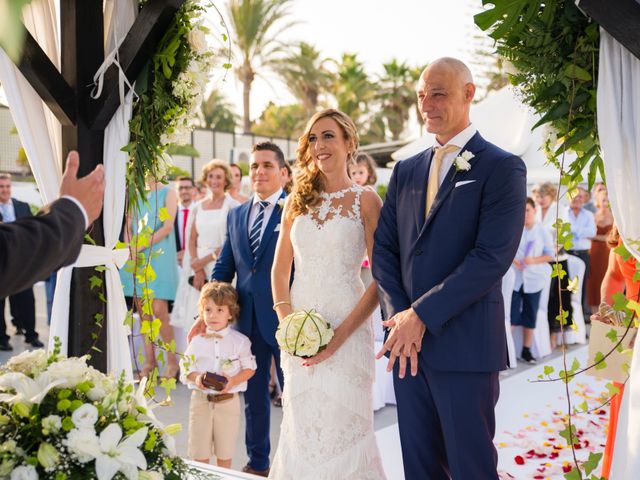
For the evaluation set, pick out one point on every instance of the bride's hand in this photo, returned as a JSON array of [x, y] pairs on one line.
[[332, 347]]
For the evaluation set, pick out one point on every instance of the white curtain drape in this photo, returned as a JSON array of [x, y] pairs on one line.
[[619, 130], [32, 117], [119, 17], [38, 128]]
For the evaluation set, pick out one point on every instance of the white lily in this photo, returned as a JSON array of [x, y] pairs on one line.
[[27, 390], [120, 456]]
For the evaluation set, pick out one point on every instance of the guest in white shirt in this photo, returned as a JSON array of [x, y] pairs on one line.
[[583, 229], [214, 416], [535, 249]]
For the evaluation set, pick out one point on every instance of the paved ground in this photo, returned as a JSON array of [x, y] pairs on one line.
[[178, 411]]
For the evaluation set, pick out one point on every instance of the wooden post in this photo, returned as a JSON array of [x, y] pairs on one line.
[[82, 50]]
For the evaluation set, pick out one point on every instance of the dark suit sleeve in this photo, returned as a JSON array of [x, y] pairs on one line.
[[385, 262], [31, 248], [225, 267], [499, 231]]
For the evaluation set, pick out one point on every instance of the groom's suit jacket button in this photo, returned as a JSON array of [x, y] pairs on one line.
[[254, 270], [418, 252]]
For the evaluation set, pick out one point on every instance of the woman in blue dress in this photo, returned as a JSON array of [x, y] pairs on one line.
[[162, 245]]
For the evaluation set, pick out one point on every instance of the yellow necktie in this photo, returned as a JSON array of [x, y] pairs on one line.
[[434, 177]]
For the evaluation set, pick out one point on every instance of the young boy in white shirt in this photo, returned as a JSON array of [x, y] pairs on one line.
[[534, 251], [214, 416]]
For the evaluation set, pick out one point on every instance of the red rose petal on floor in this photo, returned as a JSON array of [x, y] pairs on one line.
[[553, 455], [539, 477], [519, 460], [567, 468]]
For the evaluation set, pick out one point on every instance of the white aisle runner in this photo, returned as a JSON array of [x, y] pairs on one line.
[[528, 422]]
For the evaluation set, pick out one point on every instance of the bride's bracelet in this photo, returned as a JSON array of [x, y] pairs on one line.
[[283, 302]]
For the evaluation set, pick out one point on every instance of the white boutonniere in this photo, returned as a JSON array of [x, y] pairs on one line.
[[461, 162], [280, 203], [226, 363]]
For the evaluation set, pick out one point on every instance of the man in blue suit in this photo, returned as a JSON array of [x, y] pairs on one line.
[[252, 234], [448, 232]]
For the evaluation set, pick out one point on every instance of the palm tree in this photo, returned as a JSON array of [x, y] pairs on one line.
[[352, 88], [256, 25], [304, 72], [396, 96], [284, 121], [218, 113]]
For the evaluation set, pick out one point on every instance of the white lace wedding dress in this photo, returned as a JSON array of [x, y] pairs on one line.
[[327, 425]]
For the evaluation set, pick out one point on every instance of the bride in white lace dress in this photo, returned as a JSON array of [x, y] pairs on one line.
[[328, 224]]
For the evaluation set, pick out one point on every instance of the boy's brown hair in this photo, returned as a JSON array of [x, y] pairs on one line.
[[220, 293]]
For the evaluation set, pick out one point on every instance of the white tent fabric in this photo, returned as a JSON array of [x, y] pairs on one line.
[[619, 131], [120, 16], [511, 133], [37, 127]]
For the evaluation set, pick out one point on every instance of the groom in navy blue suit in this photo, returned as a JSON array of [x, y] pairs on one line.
[[448, 232], [248, 249]]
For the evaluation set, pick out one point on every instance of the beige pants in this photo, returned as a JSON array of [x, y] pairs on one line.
[[213, 426]]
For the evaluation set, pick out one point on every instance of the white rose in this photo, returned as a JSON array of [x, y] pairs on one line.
[[24, 472], [29, 362], [72, 370], [467, 155], [197, 40], [52, 423], [85, 416], [102, 385], [83, 443]]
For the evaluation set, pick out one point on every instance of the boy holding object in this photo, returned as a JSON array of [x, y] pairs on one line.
[[214, 415]]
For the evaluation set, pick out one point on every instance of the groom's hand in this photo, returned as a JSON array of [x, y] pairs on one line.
[[404, 341]]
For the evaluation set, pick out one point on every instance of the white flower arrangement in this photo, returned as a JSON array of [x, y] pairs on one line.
[[303, 333], [51, 427], [462, 161], [280, 203]]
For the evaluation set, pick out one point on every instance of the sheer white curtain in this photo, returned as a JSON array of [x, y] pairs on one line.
[[119, 16], [37, 127], [619, 130]]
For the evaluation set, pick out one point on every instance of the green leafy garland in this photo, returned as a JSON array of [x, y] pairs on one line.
[[170, 90], [554, 49]]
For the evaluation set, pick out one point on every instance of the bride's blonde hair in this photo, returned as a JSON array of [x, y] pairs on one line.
[[309, 180]]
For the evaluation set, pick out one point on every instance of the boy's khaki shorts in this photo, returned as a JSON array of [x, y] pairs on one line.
[[213, 426]]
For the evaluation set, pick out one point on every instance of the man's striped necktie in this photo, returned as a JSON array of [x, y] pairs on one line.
[[256, 228]]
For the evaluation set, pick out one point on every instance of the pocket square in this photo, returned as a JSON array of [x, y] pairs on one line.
[[277, 229], [463, 182]]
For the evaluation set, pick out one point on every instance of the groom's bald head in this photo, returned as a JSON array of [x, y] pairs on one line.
[[455, 67], [445, 92]]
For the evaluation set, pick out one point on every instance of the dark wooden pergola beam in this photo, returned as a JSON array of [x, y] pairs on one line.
[[621, 18], [137, 48], [47, 81]]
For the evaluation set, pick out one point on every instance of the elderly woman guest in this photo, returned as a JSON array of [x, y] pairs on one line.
[[207, 227]]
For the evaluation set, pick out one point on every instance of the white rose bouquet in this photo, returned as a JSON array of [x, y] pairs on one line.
[[304, 333], [62, 419]]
